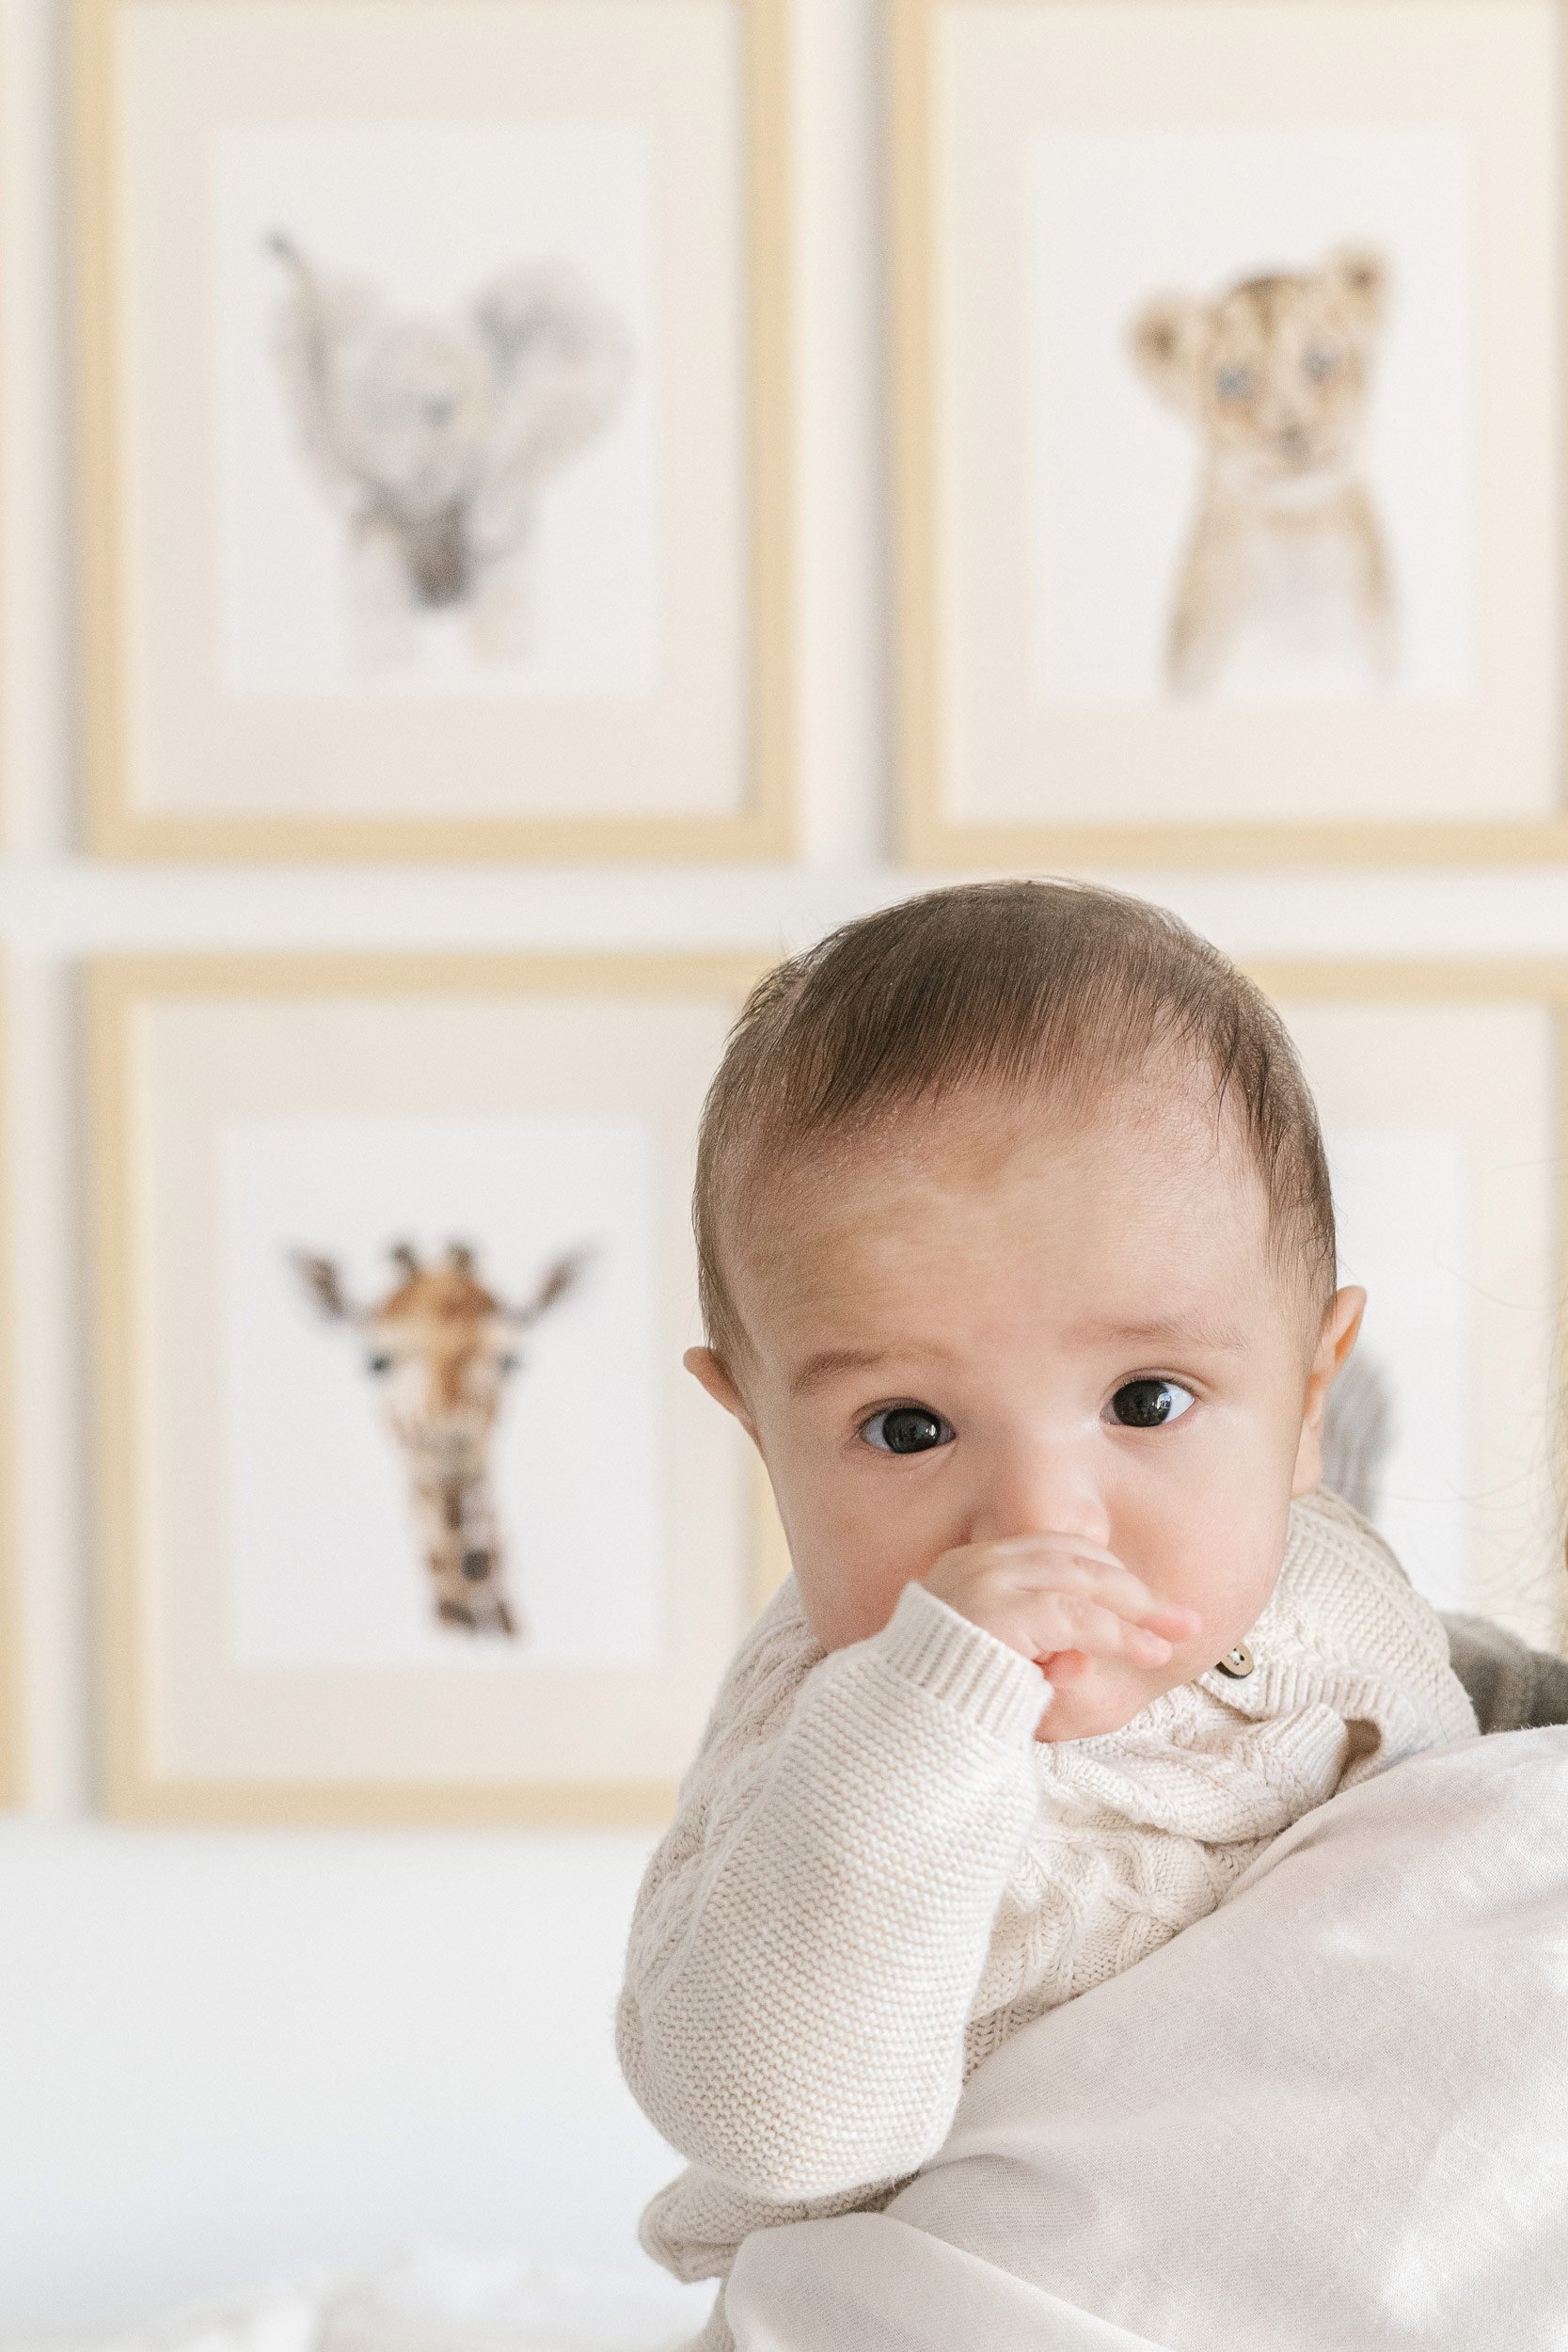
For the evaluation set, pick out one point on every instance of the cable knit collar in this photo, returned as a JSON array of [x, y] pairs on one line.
[[1344, 1640]]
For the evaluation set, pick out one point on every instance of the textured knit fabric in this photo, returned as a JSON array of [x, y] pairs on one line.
[[876, 1875]]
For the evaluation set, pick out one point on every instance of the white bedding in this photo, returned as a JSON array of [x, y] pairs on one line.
[[1331, 2118], [434, 2300]]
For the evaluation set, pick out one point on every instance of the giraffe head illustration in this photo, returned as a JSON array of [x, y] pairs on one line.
[[441, 1347]]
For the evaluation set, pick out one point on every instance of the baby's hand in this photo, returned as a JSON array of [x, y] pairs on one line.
[[1061, 1601]]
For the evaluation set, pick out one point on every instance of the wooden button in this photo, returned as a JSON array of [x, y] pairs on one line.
[[1238, 1662]]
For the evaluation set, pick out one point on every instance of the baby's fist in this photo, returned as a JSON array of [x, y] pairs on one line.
[[1062, 1601]]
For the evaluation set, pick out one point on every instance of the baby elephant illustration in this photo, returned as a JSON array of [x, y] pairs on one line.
[[1285, 555], [434, 437], [441, 1347]]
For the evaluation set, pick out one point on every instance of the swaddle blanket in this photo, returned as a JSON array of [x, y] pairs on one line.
[[1332, 2117]]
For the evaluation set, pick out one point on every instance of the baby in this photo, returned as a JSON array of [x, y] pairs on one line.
[[1018, 1264]]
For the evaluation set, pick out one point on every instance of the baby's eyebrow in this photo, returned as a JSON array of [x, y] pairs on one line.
[[1214, 1336], [1193, 1331], [828, 1363]]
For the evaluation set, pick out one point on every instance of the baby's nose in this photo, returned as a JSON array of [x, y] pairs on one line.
[[1040, 1490]]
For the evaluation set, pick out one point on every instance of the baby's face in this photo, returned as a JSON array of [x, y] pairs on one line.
[[992, 1324]]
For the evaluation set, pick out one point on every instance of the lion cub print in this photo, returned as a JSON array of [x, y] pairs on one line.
[[1284, 575]]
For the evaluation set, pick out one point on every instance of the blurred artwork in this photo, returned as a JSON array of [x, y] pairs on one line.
[[441, 1348], [1229, 373], [1253, 452], [1440, 1123], [442, 428], [1285, 570], [442, 370], [442, 1389], [435, 436], [1358, 1433], [436, 1526]]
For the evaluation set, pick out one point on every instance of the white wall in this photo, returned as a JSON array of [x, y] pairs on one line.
[[220, 2055], [223, 2056]]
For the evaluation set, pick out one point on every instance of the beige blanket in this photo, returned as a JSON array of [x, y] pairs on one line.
[[1333, 2117]]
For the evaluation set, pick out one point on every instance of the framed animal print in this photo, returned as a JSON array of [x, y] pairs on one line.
[[435, 406], [1443, 1090], [13, 1677], [410, 1509], [1229, 361]]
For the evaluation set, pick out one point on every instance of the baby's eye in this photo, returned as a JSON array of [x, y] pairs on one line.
[[1319, 362], [907, 1429], [1235, 383], [1150, 1403]]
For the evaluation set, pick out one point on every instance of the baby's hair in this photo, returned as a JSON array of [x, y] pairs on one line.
[[1000, 988]]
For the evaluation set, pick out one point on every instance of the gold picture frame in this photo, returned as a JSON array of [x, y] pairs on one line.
[[13, 1680], [1443, 1090], [983, 756], [726, 722], [176, 1120]]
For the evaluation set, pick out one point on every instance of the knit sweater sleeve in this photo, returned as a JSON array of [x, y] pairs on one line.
[[809, 1934]]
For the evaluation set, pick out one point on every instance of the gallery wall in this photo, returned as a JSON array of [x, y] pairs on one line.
[[226, 2054]]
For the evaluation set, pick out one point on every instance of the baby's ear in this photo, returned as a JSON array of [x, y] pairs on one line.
[[1360, 280], [1167, 340], [715, 1378], [1337, 1336]]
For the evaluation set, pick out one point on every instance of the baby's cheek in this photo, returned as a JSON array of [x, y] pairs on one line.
[[845, 1605], [1229, 1598], [1225, 1562]]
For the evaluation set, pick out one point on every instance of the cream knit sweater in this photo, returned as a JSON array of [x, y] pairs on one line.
[[876, 1874]]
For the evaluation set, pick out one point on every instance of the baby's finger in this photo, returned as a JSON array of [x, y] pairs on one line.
[[1175, 1621], [1073, 1621], [1118, 1586], [1131, 1598], [1049, 1541]]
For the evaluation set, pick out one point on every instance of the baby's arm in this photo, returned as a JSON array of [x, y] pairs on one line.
[[808, 1939], [809, 1935]]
